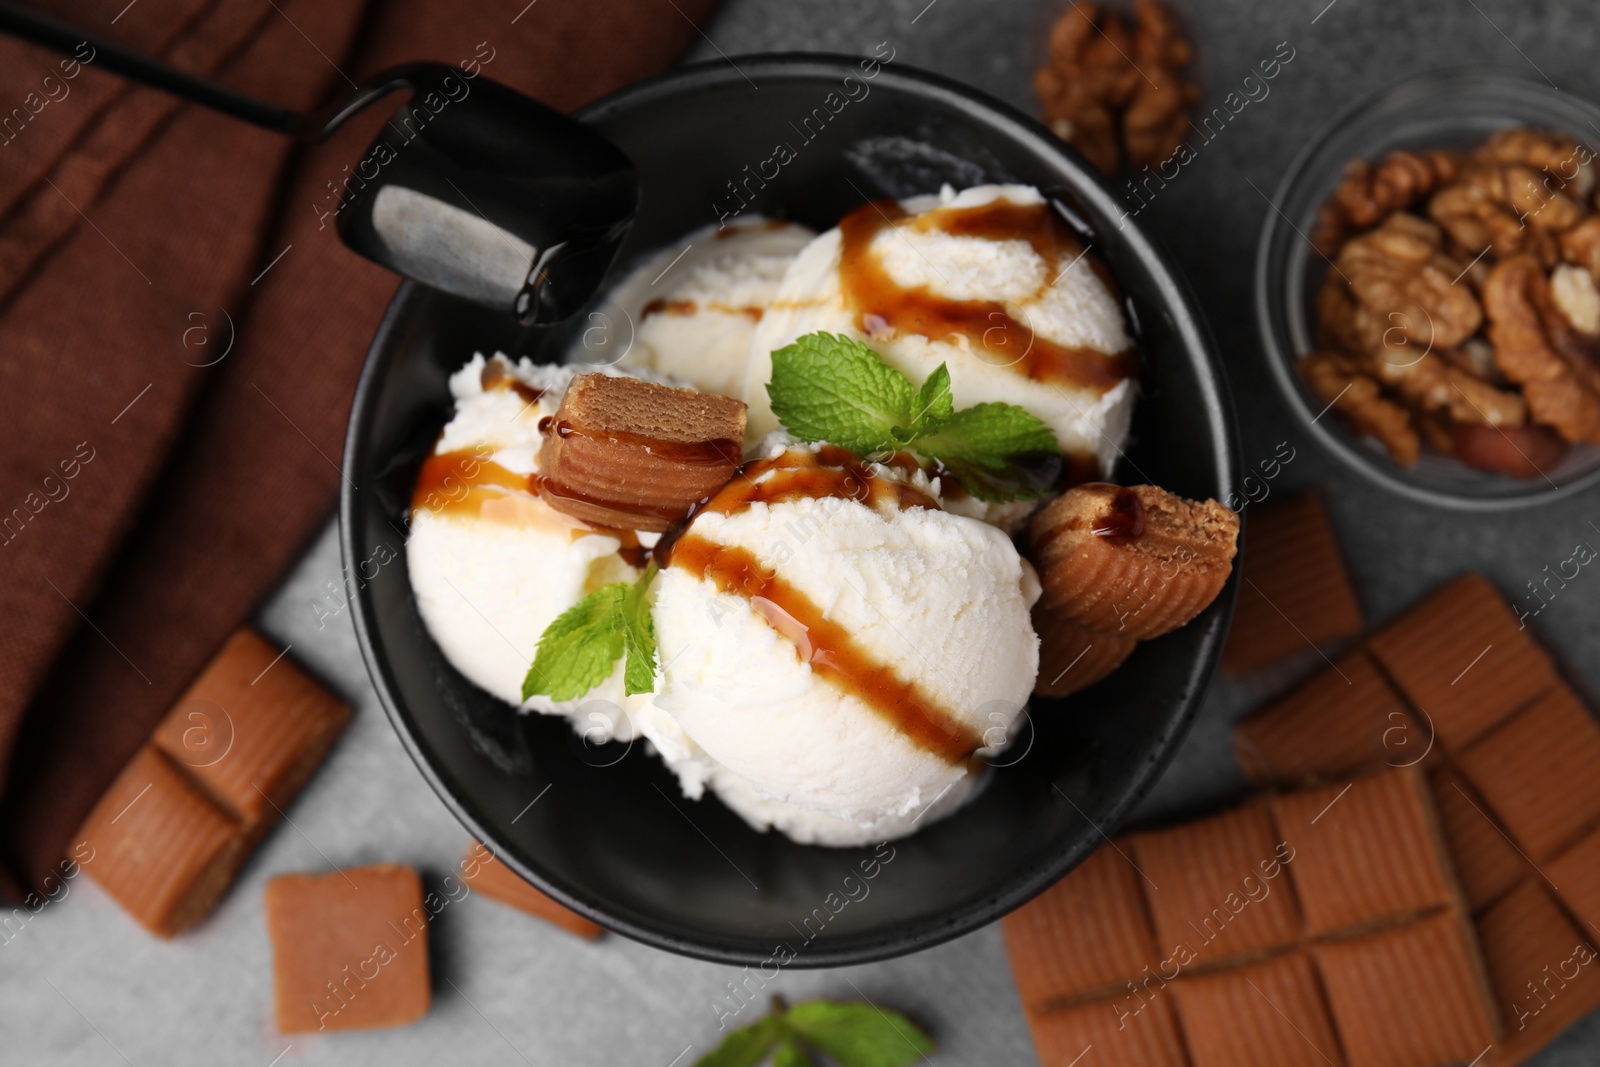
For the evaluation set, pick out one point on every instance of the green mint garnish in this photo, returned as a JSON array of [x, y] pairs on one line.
[[581, 647], [836, 389], [849, 1034]]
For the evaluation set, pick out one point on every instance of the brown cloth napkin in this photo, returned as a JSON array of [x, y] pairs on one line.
[[180, 337]]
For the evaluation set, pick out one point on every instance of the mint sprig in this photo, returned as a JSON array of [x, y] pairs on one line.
[[833, 388], [581, 647], [851, 1034]]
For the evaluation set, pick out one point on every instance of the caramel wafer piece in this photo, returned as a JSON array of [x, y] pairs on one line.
[[1073, 658], [1364, 851], [1090, 931], [1537, 771], [1577, 872], [349, 949], [1219, 889], [1129, 1032], [1461, 657], [1294, 589], [1270, 1014], [1132, 560], [1485, 860], [1344, 719], [1543, 968], [484, 872], [252, 728], [161, 848], [1412, 996], [631, 454]]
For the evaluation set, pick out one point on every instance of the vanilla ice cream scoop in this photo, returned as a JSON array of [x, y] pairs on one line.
[[989, 282], [690, 310], [841, 647]]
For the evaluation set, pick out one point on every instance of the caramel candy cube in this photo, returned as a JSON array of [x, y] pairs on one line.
[[1270, 1014], [1217, 887], [252, 728], [1462, 658], [1136, 561], [634, 455], [1485, 859], [1132, 1031], [349, 949], [1089, 931], [161, 848], [1072, 657], [484, 872], [1577, 872], [1294, 590], [1537, 770], [1412, 996], [1364, 851], [1544, 969], [1342, 720]]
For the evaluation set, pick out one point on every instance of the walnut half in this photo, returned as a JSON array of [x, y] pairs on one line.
[[1562, 389]]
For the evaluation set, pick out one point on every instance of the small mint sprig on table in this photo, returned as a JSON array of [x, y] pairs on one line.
[[581, 647], [836, 389], [850, 1034]]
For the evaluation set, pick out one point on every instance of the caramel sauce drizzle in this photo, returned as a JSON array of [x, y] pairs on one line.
[[879, 302], [459, 481], [497, 375], [830, 649]]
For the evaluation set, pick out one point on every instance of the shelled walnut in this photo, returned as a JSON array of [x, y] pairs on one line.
[[1461, 310]]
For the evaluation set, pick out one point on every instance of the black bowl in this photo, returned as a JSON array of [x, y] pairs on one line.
[[603, 829]]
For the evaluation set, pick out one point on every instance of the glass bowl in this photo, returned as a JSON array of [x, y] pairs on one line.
[[1440, 109]]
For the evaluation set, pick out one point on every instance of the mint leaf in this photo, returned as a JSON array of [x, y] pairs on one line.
[[639, 636], [581, 647], [934, 401], [790, 1054], [996, 451], [744, 1047], [831, 388], [859, 1035]]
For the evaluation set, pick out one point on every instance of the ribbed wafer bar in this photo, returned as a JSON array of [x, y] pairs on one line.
[[1110, 1035], [1486, 861], [1133, 560], [1544, 967], [1294, 588], [635, 455], [1268, 1014]]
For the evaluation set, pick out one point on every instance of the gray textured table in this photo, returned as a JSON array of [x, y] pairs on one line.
[[82, 984]]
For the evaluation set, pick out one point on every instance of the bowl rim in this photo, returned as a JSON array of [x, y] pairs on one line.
[[1186, 321], [1343, 443]]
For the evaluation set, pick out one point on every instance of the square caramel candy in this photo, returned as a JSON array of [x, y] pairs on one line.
[[1294, 590], [1537, 770], [1217, 887], [252, 728], [1577, 872], [1365, 850], [1127, 1032], [1409, 996], [484, 872], [1268, 1014], [1462, 657], [161, 848], [1087, 932], [1485, 860], [1343, 719], [1543, 967], [349, 949], [635, 455]]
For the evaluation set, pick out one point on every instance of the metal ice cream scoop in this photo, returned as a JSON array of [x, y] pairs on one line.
[[471, 187]]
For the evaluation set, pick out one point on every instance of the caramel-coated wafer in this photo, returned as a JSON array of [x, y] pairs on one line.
[[1132, 560], [1409, 996], [1220, 887], [1128, 1032], [1343, 719], [1544, 969], [160, 847], [1364, 851], [1090, 931], [1461, 657], [484, 872], [1294, 588], [1269, 1014], [1485, 860], [1538, 772], [1072, 657]]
